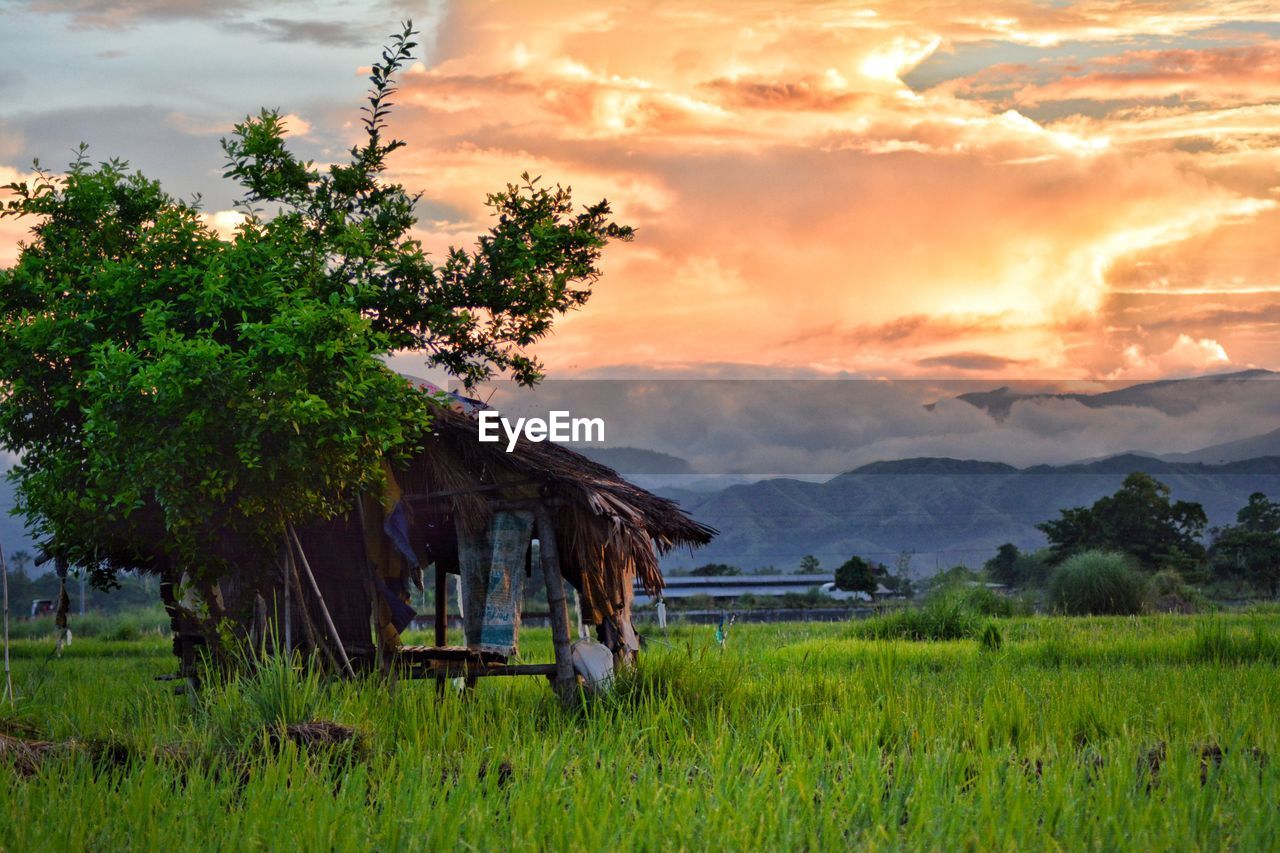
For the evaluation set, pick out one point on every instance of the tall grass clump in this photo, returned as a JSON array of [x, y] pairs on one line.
[[940, 618], [1097, 583], [1216, 642], [955, 611], [262, 696]]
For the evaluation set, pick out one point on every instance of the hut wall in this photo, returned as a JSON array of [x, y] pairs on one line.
[[335, 550]]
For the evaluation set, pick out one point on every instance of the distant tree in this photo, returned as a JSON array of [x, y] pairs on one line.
[[896, 584], [1003, 567], [19, 561], [1139, 520], [809, 565], [1259, 514], [1250, 549], [856, 575], [715, 570]]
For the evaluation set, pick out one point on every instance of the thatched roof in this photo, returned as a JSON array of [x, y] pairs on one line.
[[610, 531]]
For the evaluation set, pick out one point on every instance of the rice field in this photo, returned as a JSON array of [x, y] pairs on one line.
[[1156, 732]]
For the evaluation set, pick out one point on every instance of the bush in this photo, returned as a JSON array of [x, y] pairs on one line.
[[1099, 583], [956, 608], [983, 601], [942, 617], [1168, 592]]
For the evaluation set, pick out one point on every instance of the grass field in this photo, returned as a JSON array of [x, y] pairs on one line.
[[1154, 732]]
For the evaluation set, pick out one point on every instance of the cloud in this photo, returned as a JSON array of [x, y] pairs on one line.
[[977, 361], [800, 204], [338, 33], [815, 428], [796, 200], [1187, 356], [224, 223], [1224, 76], [13, 230], [122, 14]]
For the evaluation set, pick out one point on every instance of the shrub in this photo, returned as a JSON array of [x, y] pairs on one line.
[[1168, 592], [984, 602], [1096, 582], [991, 639], [942, 617]]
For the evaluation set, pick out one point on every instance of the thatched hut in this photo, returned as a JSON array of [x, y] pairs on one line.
[[472, 509]]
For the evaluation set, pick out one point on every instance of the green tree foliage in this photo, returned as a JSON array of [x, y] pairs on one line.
[[1099, 583], [1003, 567], [1139, 520], [715, 570], [1249, 550], [809, 565], [169, 388], [1015, 568], [857, 575]]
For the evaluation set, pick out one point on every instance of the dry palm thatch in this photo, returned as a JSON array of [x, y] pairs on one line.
[[610, 531]]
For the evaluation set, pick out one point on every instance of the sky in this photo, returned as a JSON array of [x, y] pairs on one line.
[[986, 190]]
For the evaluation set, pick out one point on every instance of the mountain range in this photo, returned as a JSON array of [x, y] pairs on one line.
[[1170, 396], [941, 511]]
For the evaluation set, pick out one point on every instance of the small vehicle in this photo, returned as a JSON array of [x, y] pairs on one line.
[[42, 607]]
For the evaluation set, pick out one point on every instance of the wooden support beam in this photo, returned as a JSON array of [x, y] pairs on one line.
[[8, 677], [474, 490], [565, 682], [442, 603], [339, 649], [442, 619], [460, 669]]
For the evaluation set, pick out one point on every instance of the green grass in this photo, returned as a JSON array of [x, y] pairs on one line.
[[1084, 732], [130, 625]]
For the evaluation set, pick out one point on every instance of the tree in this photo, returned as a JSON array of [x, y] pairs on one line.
[[1259, 514], [1250, 549], [180, 398], [809, 565], [1003, 567], [715, 570], [1139, 520], [856, 575]]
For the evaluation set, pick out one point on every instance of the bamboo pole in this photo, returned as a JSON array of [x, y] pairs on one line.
[[304, 615], [324, 610], [565, 680], [8, 677], [287, 571]]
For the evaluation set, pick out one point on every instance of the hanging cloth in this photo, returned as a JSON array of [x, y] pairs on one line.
[[492, 563]]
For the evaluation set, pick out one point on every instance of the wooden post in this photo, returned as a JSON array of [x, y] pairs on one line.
[[442, 602], [287, 570], [324, 611], [304, 615], [385, 653], [566, 683], [8, 677]]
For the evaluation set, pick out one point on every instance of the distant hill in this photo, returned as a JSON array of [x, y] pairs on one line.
[[946, 511], [1233, 451], [635, 460], [1171, 396]]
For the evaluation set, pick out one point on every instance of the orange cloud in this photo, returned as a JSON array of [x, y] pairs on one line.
[[799, 204]]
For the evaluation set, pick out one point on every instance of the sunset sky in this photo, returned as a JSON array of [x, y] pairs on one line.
[[906, 189]]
